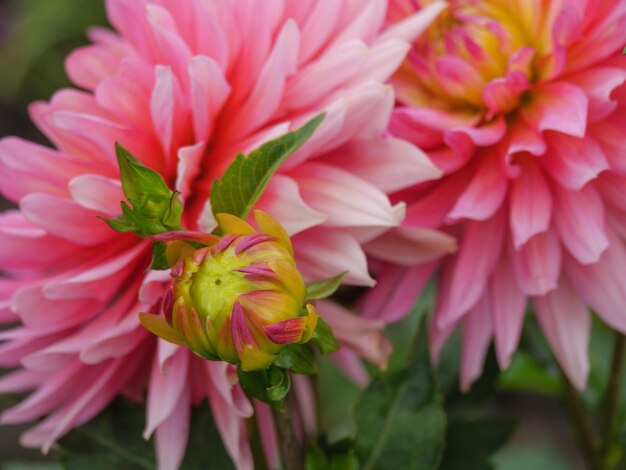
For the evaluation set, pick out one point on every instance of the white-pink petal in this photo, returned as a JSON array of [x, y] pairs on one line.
[[566, 322]]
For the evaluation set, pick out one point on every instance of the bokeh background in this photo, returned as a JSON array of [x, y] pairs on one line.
[[35, 37]]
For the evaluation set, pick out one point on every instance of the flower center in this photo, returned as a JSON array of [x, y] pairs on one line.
[[476, 57], [216, 284]]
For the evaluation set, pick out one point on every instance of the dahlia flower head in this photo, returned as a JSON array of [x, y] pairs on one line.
[[238, 299], [521, 103], [185, 86]]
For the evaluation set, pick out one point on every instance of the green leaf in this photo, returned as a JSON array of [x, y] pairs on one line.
[[400, 418], [114, 440], [153, 208], [526, 374], [337, 397], [269, 385], [318, 459], [159, 258], [298, 358], [36, 36], [324, 338], [111, 440], [205, 448], [323, 288], [279, 384], [471, 443], [315, 458], [246, 178]]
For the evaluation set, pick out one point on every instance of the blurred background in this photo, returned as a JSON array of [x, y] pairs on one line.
[[35, 37]]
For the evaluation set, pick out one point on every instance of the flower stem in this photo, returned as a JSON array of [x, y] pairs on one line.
[[290, 452], [611, 403], [582, 423], [255, 443]]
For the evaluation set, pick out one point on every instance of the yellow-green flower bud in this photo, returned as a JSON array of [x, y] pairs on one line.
[[239, 299]]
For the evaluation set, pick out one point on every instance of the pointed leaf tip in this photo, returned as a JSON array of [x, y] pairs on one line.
[[246, 178]]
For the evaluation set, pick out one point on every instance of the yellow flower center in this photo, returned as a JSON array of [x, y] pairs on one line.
[[470, 45]]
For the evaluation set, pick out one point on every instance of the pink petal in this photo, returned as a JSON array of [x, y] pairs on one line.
[[89, 65], [525, 138], [98, 193], [410, 246], [508, 306], [17, 236], [579, 220], [172, 434], [531, 203], [558, 106], [346, 200], [267, 433], [599, 83], [267, 93], [609, 134], [37, 311], [209, 92], [99, 281], [127, 94], [464, 281], [319, 78], [601, 284], [566, 322], [224, 379], [414, 25], [431, 209], [189, 163], [574, 162], [287, 331], [283, 201], [365, 21], [389, 164], [502, 94], [485, 193], [128, 17], [319, 25], [363, 336], [477, 331], [66, 219], [327, 252], [395, 292], [167, 389], [537, 263], [465, 138], [163, 106], [232, 429], [22, 380], [171, 48]]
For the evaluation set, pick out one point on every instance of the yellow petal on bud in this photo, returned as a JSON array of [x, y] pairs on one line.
[[178, 250], [255, 358], [231, 224], [157, 325], [268, 224], [311, 323]]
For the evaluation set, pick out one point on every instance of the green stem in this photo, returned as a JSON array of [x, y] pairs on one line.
[[255, 443], [582, 423], [290, 452], [612, 402]]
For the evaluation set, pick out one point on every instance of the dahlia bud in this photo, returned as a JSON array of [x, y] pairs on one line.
[[239, 299]]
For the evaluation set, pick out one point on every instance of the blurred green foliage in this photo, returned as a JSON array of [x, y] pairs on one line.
[[36, 37]]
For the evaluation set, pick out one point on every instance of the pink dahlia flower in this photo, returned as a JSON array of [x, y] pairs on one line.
[[185, 86], [522, 106]]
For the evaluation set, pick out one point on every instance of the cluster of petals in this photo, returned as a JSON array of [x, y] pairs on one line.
[[522, 105], [184, 86]]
